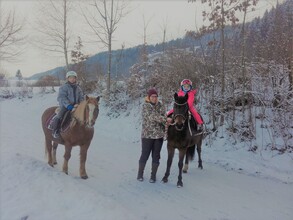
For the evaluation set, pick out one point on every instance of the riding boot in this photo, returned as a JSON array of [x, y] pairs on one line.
[[56, 128], [154, 172], [140, 171], [199, 127]]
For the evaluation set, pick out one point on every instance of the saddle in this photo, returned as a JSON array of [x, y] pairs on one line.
[[65, 121]]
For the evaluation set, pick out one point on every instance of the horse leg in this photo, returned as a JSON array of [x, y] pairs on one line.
[[171, 151], [83, 155], [188, 157], [185, 168], [54, 153], [48, 145], [67, 156], [198, 149], [182, 153]]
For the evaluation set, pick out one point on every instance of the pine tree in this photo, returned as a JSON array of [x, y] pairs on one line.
[[18, 75]]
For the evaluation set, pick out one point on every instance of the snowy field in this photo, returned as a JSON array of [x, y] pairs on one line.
[[235, 184]]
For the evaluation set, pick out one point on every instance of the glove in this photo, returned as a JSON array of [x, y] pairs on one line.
[[69, 107]]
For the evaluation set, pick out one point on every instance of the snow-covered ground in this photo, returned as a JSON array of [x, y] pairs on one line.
[[235, 184]]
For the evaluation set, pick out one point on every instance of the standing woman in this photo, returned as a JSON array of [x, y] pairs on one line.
[[153, 125]]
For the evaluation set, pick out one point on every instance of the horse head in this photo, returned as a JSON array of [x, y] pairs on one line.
[[87, 111], [180, 114]]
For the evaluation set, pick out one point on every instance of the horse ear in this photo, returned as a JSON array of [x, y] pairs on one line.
[[98, 98], [175, 95]]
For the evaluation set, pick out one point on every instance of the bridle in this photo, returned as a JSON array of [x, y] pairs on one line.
[[182, 113], [91, 114]]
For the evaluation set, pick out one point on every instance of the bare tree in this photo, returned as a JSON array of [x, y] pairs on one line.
[[223, 12], [163, 27], [11, 35], [103, 20], [53, 27]]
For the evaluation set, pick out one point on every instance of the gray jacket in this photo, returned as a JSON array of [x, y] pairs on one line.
[[153, 120], [70, 94]]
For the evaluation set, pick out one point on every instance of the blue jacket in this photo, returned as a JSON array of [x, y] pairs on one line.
[[70, 94]]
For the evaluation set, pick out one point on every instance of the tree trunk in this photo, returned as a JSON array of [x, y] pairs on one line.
[[223, 65], [65, 34]]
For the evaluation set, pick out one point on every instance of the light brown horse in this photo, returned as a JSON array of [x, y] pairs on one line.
[[80, 132]]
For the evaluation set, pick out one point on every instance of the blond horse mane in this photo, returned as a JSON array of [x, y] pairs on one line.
[[78, 113]]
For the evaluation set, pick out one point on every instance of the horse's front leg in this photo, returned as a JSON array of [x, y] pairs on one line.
[[182, 153], [171, 151], [54, 153], [198, 149], [83, 156], [67, 156]]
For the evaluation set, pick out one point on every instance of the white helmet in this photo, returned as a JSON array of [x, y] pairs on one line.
[[71, 73]]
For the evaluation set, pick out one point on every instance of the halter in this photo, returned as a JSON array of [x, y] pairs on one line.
[[81, 114], [183, 115]]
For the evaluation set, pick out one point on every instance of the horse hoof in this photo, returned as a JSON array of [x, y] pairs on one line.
[[184, 171], [51, 165], [84, 177], [55, 163], [179, 184], [165, 180]]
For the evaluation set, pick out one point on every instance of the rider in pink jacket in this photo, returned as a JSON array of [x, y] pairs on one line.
[[186, 87]]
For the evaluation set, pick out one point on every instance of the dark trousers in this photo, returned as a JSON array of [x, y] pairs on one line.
[[149, 146], [61, 113], [57, 120]]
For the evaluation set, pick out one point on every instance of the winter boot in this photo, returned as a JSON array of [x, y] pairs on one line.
[[140, 171], [56, 127], [154, 172], [199, 127]]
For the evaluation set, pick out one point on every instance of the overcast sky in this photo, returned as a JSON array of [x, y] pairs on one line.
[[179, 15]]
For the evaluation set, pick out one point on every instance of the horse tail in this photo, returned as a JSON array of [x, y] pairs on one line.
[[190, 152]]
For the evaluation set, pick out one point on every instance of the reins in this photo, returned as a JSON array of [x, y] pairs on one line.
[[188, 120]]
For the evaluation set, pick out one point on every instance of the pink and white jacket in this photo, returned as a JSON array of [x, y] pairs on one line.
[[190, 101]]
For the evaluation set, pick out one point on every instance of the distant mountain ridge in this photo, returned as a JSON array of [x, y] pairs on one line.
[[122, 60]]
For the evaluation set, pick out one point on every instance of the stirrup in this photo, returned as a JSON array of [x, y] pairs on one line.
[[56, 134]]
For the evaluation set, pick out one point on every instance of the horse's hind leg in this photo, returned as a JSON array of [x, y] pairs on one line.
[[83, 156], [48, 145], [185, 168], [54, 153], [67, 156], [188, 157], [171, 151]]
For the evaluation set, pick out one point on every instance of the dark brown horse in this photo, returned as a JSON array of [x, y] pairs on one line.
[[80, 132], [182, 135]]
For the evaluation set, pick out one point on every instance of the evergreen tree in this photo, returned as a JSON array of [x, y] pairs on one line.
[[18, 75]]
